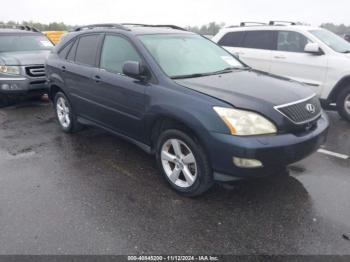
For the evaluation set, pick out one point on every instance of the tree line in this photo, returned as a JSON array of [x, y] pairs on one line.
[[208, 29], [338, 29], [40, 26]]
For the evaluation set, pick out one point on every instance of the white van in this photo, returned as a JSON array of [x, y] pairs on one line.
[[311, 55]]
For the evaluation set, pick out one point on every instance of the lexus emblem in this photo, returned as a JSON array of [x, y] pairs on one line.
[[311, 108]]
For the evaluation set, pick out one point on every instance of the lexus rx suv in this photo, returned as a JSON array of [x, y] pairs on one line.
[[205, 115], [22, 56], [311, 55]]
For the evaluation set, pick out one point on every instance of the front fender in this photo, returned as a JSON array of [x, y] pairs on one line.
[[335, 89], [200, 125]]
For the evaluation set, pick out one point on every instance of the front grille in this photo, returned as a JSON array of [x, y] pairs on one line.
[[35, 71], [302, 111]]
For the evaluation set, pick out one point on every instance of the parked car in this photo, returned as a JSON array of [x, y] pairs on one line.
[[22, 56], [204, 115], [311, 55]]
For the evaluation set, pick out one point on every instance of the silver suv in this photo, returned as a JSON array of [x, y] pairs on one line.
[[23, 51]]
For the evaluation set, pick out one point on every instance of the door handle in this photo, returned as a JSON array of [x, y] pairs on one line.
[[97, 79], [239, 53], [280, 57], [63, 68]]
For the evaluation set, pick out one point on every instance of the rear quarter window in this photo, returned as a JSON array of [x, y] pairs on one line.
[[63, 53], [232, 39], [72, 51]]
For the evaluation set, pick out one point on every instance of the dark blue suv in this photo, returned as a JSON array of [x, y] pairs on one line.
[[205, 115]]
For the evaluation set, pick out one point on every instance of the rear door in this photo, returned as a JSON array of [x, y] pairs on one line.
[[252, 47], [119, 100], [290, 60], [257, 49], [81, 62]]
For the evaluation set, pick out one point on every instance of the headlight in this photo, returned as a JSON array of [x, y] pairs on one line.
[[245, 123], [11, 70]]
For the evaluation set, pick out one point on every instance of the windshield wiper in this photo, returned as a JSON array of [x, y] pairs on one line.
[[229, 69], [226, 70], [346, 52], [189, 76]]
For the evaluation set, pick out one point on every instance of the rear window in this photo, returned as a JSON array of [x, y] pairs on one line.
[[87, 49], [258, 40], [30, 42], [232, 39]]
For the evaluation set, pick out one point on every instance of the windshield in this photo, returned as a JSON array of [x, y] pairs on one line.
[[15, 43], [183, 55], [335, 42]]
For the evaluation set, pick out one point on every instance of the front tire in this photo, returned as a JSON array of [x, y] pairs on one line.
[[343, 103], [183, 163], [65, 115]]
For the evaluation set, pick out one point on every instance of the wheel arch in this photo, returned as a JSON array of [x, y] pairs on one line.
[[166, 121], [53, 90], [342, 83]]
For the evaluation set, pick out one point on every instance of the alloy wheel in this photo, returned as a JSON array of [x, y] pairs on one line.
[[63, 112], [179, 163], [347, 104]]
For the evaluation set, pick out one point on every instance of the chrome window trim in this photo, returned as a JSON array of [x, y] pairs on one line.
[[12, 79]]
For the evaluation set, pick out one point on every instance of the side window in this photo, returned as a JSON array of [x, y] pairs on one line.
[[116, 51], [64, 51], [233, 39], [289, 41], [87, 50], [258, 40], [72, 51]]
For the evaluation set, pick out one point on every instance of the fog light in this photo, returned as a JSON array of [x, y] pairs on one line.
[[5, 87], [247, 163], [10, 87]]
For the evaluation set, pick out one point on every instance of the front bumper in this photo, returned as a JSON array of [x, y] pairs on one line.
[[274, 151], [19, 85]]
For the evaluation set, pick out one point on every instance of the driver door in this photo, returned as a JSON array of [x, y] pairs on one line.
[[119, 99], [290, 60]]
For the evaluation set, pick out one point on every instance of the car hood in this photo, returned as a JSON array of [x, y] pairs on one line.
[[249, 89], [24, 57]]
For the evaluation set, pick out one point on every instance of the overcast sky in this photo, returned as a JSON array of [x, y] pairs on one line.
[[180, 12]]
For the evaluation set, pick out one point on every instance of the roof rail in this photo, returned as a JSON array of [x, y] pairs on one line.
[[283, 23], [20, 27], [28, 28], [145, 25], [112, 26], [252, 23]]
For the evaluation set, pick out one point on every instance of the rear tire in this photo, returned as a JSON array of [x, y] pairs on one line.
[[343, 103], [65, 114], [183, 163]]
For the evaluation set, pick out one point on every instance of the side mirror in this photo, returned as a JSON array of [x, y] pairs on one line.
[[313, 48], [135, 70]]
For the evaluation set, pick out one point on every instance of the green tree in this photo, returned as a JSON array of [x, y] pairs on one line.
[[209, 29]]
